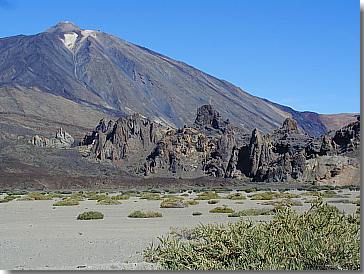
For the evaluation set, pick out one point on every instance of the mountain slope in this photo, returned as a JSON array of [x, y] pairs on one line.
[[108, 75]]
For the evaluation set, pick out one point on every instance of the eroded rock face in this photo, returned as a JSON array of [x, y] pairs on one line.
[[62, 139], [347, 139], [188, 150], [213, 147], [117, 140], [208, 117], [287, 155]]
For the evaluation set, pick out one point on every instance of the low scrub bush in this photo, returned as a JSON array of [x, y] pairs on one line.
[[323, 194], [250, 190], [323, 238], [90, 215], [236, 196], [192, 202], [175, 202], [222, 209], [67, 202], [25, 198], [55, 195], [39, 196], [108, 201], [208, 195], [78, 196], [356, 202], [269, 195], [253, 212], [283, 203], [150, 196], [98, 197], [120, 197], [145, 214]]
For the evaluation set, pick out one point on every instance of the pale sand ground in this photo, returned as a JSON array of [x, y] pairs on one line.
[[36, 235]]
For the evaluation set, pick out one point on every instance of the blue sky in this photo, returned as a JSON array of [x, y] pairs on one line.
[[300, 53]]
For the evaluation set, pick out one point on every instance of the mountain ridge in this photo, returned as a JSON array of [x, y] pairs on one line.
[[114, 77]]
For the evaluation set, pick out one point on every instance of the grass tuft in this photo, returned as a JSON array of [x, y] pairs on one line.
[[269, 195], [67, 202], [90, 215], [175, 202], [223, 209], [208, 195], [108, 201], [145, 214], [253, 212]]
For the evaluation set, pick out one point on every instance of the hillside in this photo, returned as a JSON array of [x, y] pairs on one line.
[[94, 74]]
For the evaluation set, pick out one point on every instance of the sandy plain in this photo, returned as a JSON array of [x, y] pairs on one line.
[[36, 235]]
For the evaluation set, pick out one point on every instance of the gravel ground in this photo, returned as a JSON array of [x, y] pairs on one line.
[[36, 235]]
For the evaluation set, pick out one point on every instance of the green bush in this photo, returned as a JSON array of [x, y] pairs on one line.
[[77, 196], [283, 202], [145, 214], [175, 202], [55, 195], [121, 197], [209, 195], [39, 196], [250, 190], [212, 202], [253, 212], [150, 196], [67, 202], [97, 197], [236, 196], [323, 194], [108, 201], [356, 202], [25, 198], [269, 195], [90, 215], [192, 202], [322, 238], [9, 198], [223, 209]]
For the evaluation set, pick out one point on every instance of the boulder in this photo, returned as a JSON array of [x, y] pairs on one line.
[[62, 139]]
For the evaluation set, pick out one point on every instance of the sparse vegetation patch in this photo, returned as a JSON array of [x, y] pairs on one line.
[[321, 239], [145, 214], [222, 209], [209, 195], [90, 215]]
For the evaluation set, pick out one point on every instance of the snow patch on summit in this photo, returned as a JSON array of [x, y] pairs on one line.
[[70, 40]]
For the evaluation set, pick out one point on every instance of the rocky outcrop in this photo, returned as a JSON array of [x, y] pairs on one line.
[[287, 155], [213, 147], [190, 151], [118, 140], [62, 139], [347, 139]]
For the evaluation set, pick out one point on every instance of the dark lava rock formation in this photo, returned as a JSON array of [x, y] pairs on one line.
[[212, 146]]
